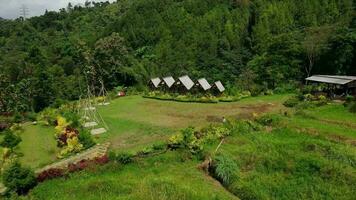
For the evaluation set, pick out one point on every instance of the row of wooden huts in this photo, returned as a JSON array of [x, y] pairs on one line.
[[185, 84]]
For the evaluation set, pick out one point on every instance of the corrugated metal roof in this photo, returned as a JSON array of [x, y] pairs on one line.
[[169, 81], [220, 86], [156, 82], [340, 77], [339, 80], [187, 82], [204, 84]]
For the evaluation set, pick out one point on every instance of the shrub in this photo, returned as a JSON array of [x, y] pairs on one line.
[[286, 88], [291, 102], [17, 118], [269, 119], [58, 103], [86, 139], [10, 140], [19, 179], [224, 169], [101, 160], [49, 115], [305, 105], [124, 158], [30, 116], [73, 146], [50, 174], [145, 151], [159, 146], [72, 119], [321, 100]]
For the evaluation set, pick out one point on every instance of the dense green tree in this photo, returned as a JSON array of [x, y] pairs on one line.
[[129, 41]]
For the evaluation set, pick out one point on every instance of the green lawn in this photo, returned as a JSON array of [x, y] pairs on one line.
[[136, 122], [297, 159], [163, 177], [38, 145]]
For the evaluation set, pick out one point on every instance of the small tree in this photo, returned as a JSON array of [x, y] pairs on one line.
[[19, 179], [314, 43], [10, 140]]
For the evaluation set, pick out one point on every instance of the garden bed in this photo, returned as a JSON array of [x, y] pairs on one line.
[[195, 99]]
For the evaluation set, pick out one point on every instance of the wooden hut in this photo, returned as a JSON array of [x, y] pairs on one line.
[[203, 85], [184, 84], [167, 83], [218, 88], [154, 83], [336, 85]]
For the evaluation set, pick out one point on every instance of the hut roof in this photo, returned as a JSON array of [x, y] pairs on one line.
[[169, 81], [187, 82], [220, 86], [156, 82], [338, 80], [204, 84]]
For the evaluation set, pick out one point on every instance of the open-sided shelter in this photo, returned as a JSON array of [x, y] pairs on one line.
[[340, 84], [168, 82], [219, 87], [203, 84], [184, 84], [154, 83]]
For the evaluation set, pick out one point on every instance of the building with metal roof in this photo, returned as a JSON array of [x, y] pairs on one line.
[[219, 86], [337, 80], [339, 85], [186, 82], [168, 81], [204, 84], [155, 82]]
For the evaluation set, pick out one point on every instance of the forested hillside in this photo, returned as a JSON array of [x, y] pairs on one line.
[[248, 44]]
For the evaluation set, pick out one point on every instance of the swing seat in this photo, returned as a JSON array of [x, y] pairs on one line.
[[104, 104], [90, 108], [90, 124], [98, 131]]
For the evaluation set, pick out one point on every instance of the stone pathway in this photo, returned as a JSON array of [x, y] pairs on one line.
[[89, 154]]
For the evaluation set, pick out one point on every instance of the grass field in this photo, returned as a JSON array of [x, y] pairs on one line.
[[308, 155], [135, 122], [38, 145], [297, 159], [158, 178]]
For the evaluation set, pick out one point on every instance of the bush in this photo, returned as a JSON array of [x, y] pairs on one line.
[[286, 88], [291, 102], [17, 118], [58, 103], [19, 179], [224, 169], [10, 140], [86, 139], [49, 115], [72, 119], [269, 120], [30, 116], [159, 146], [124, 158], [50, 174]]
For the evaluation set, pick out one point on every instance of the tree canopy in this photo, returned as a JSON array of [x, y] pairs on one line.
[[47, 57]]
